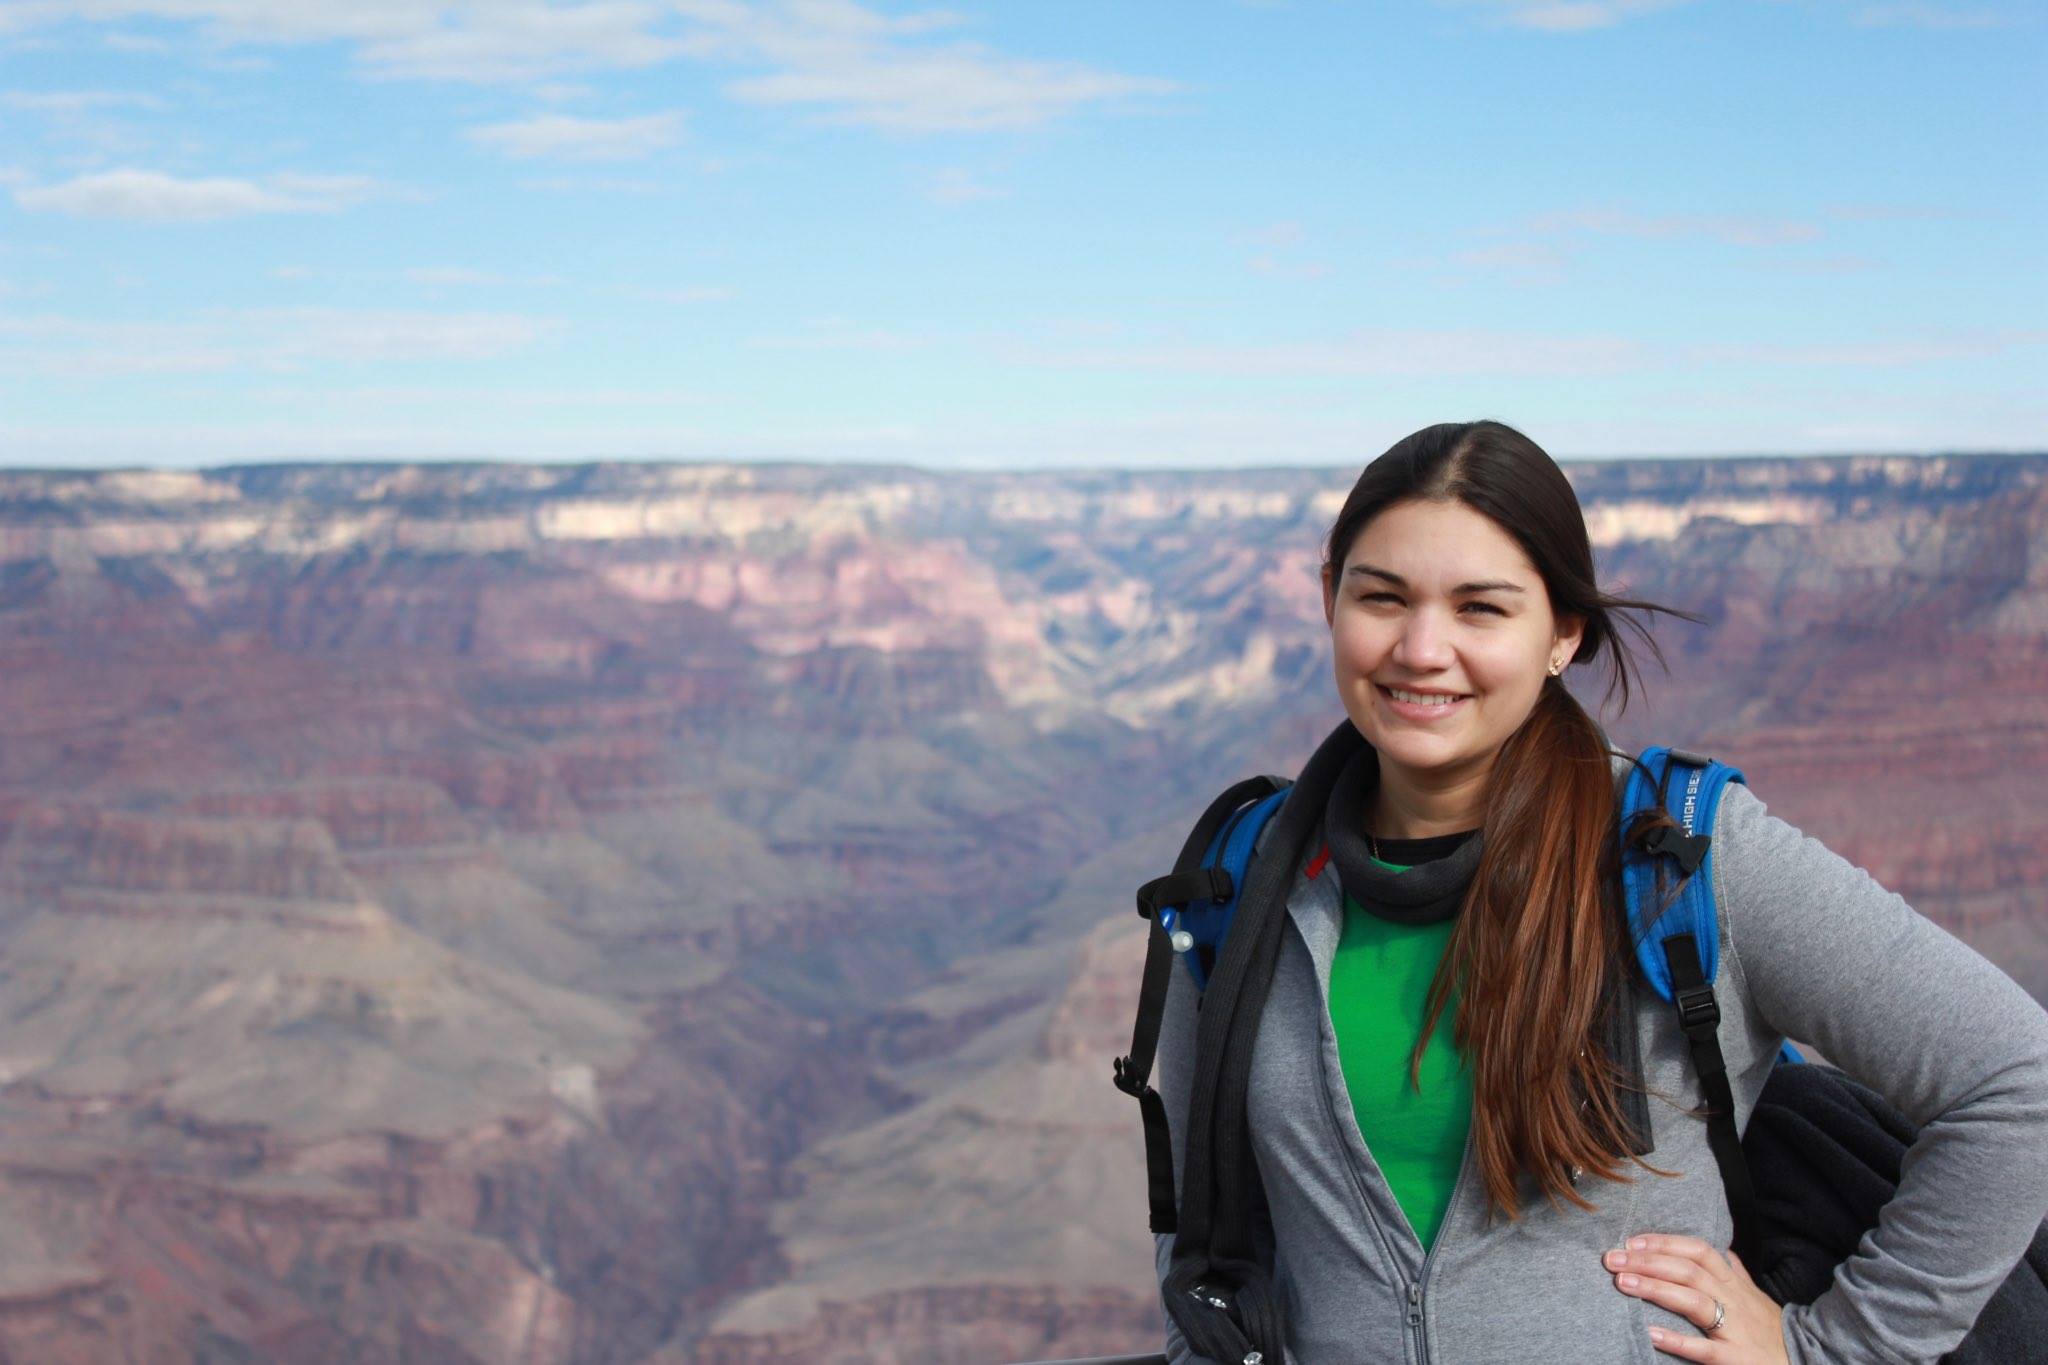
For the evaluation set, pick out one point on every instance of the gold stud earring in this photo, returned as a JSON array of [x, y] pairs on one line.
[[1555, 668]]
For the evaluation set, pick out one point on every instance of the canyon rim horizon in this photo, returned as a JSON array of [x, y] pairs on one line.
[[640, 912]]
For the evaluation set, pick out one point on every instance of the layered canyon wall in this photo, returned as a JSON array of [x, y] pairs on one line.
[[637, 913]]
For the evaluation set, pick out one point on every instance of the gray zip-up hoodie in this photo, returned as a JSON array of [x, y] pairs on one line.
[[1812, 948]]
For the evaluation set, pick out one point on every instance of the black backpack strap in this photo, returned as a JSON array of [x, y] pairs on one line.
[[1700, 1017], [1133, 1072], [1216, 1247]]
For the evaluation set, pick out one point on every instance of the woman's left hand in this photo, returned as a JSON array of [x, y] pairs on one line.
[[1684, 1275]]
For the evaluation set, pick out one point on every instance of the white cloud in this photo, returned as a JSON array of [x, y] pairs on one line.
[[1913, 14], [842, 60], [836, 335], [258, 339], [152, 196], [136, 42], [1382, 354], [1266, 263], [451, 276], [1893, 354], [1528, 258], [853, 66], [468, 40], [1437, 354], [465, 277], [590, 184], [1732, 229], [1563, 16], [958, 185], [684, 297], [521, 41], [567, 138], [1284, 235], [61, 102]]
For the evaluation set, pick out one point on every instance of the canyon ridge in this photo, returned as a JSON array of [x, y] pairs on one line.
[[637, 914]]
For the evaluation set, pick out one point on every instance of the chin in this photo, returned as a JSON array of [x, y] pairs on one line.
[[1410, 750]]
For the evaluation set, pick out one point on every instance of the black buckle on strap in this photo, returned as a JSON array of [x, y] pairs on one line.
[[1127, 1080], [1697, 1008], [1184, 888], [1689, 850]]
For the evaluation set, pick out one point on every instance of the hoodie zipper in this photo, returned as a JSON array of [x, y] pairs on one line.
[[1418, 1332], [1415, 1290]]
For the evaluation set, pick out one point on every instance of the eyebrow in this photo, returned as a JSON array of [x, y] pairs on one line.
[[1489, 585]]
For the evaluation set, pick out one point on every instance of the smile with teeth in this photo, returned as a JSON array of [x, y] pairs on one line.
[[1423, 698]]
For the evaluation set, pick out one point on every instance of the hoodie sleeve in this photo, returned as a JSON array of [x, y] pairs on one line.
[[1829, 956]]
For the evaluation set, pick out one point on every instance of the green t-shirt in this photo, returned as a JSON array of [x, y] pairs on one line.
[[1379, 983]]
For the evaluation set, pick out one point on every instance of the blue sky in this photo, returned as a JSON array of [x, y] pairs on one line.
[[1022, 233]]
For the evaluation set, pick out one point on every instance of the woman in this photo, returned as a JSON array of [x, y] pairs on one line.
[[1437, 1121]]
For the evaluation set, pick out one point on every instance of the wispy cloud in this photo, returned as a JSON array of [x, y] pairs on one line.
[[1283, 235], [684, 297], [1387, 354], [1266, 263], [590, 184], [494, 41], [62, 102], [1730, 229], [1893, 213], [563, 137], [1523, 263], [958, 185], [839, 334], [277, 339], [1893, 354], [451, 276], [1915, 14], [1280, 252], [848, 64], [842, 61], [1562, 16], [152, 196], [1500, 355]]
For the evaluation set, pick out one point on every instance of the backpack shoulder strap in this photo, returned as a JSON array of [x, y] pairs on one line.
[[1668, 879], [1668, 883], [1198, 896]]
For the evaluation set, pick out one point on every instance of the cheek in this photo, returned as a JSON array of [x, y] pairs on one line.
[[1508, 667], [1356, 644]]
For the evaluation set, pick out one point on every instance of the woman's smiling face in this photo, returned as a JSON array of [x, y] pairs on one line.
[[1443, 634]]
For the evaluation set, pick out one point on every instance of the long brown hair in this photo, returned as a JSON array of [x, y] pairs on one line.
[[1537, 945]]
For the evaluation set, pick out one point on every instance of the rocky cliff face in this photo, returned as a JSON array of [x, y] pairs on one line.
[[642, 913]]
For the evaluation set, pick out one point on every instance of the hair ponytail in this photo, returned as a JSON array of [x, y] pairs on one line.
[[1532, 958], [1540, 939]]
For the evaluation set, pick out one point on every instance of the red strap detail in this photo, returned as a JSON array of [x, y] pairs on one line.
[[1315, 869]]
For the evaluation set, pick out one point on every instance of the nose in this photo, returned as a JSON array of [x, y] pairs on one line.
[[1424, 644]]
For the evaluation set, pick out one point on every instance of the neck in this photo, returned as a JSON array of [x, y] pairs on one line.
[[1411, 805]]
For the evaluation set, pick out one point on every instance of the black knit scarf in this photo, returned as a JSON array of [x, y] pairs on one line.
[[1426, 893]]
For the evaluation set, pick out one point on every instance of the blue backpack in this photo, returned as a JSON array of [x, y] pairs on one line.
[[1667, 882], [1828, 1149]]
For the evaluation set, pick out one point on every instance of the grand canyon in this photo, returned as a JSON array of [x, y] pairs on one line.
[[637, 913]]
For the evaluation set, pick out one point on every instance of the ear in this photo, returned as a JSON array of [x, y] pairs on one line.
[[1570, 631], [1329, 598]]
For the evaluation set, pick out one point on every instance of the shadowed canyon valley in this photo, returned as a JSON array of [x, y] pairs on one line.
[[638, 914]]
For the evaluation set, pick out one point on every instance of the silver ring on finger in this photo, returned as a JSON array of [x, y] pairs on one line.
[[1720, 1314]]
